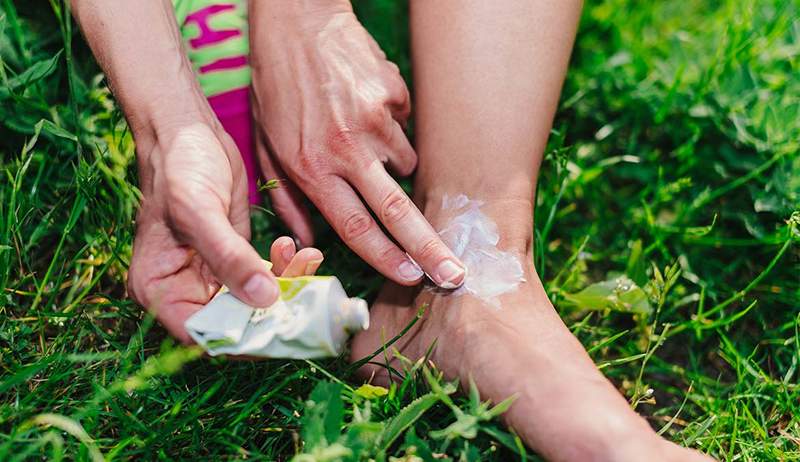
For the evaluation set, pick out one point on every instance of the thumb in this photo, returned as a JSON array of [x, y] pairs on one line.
[[230, 256]]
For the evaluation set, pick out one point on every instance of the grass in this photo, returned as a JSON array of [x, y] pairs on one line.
[[673, 170]]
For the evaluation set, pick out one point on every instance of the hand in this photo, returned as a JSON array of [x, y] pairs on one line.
[[333, 110], [194, 224]]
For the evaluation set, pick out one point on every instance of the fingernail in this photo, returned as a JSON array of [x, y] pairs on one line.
[[449, 275], [312, 267], [409, 271], [260, 290]]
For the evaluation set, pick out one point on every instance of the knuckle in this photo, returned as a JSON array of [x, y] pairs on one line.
[[395, 207], [342, 140], [228, 143], [376, 115], [393, 67], [399, 89], [343, 144], [173, 184], [430, 251], [405, 111], [311, 167], [348, 152], [181, 202], [357, 224], [390, 255]]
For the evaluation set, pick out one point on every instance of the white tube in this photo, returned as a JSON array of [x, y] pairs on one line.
[[312, 319]]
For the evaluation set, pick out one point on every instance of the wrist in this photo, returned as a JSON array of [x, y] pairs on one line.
[[297, 11], [274, 24], [512, 215], [153, 115]]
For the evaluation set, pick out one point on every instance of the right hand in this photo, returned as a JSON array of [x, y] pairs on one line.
[[333, 109], [193, 226]]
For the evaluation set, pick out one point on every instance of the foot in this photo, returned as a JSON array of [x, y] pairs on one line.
[[565, 409]]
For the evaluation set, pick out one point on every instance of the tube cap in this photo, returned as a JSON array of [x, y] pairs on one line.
[[355, 314]]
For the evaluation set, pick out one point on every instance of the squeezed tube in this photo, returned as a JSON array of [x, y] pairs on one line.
[[312, 319]]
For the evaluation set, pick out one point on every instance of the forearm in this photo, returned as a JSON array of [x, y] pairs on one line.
[[487, 82], [138, 46]]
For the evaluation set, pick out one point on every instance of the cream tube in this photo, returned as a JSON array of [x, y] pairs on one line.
[[312, 319]]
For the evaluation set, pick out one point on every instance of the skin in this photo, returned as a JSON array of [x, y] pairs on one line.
[[490, 104]]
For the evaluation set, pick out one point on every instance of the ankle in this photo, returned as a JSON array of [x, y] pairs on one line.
[[511, 213]]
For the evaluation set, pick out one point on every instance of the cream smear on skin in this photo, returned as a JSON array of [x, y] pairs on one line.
[[473, 238]]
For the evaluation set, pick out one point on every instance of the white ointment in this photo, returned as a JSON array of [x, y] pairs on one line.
[[473, 238]]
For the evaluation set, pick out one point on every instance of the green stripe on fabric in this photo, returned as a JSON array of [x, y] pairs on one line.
[[219, 81]]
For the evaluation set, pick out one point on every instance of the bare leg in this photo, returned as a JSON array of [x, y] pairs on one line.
[[487, 79]]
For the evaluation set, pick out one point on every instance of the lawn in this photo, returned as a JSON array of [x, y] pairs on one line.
[[673, 163]]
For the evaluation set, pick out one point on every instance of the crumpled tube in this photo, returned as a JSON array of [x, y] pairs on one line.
[[312, 319]]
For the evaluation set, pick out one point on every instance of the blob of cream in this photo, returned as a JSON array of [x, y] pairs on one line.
[[473, 238]]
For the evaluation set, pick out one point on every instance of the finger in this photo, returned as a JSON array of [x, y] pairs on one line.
[[281, 253], [287, 202], [401, 156], [288, 205], [400, 113], [305, 263], [346, 213], [399, 101], [408, 226], [232, 259]]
